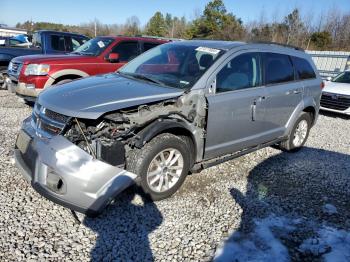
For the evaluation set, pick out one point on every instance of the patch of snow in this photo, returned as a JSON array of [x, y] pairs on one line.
[[332, 243], [260, 245], [263, 243]]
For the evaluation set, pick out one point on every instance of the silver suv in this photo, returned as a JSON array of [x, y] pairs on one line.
[[176, 109]]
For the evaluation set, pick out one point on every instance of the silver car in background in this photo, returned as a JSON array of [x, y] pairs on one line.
[[177, 108], [336, 94]]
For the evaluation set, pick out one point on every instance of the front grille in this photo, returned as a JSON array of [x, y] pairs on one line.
[[335, 101], [14, 68], [56, 116], [47, 123]]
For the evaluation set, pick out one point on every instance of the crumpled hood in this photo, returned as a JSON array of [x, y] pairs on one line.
[[94, 96], [337, 88]]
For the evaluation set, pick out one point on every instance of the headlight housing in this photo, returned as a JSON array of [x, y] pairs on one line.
[[37, 70]]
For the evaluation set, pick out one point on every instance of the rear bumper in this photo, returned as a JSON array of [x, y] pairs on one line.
[[67, 175]]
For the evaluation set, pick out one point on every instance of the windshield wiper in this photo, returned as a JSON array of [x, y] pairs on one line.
[[143, 77]]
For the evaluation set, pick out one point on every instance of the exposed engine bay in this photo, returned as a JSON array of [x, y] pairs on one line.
[[110, 137]]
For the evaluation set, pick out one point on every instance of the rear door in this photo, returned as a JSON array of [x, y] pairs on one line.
[[284, 93], [237, 108], [127, 51]]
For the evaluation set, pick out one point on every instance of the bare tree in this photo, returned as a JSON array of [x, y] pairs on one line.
[[132, 26]]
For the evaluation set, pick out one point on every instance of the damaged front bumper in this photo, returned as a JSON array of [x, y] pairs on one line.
[[67, 175]]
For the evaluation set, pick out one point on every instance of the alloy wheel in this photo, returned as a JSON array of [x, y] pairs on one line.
[[165, 170]]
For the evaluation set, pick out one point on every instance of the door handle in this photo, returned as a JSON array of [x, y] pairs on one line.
[[253, 109], [295, 91], [261, 98]]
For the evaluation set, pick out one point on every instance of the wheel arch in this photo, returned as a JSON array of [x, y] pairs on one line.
[[309, 105], [312, 111], [64, 77], [172, 126], [65, 74]]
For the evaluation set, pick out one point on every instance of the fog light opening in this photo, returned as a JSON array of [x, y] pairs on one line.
[[59, 185], [55, 183]]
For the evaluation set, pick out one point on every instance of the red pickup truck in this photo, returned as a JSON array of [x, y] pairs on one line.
[[31, 74]]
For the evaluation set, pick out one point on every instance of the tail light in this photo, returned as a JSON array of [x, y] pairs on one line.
[[322, 85]]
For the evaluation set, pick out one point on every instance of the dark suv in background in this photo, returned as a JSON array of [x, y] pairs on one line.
[[43, 42]]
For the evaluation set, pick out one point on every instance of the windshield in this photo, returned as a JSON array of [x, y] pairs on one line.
[[173, 64], [94, 47], [342, 78]]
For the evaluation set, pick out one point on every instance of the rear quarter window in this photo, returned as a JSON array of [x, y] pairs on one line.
[[278, 68], [303, 68]]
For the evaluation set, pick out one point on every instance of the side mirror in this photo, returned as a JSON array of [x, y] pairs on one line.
[[113, 57], [329, 78]]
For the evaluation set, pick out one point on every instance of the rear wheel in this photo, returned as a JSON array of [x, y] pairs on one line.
[[162, 165], [299, 133]]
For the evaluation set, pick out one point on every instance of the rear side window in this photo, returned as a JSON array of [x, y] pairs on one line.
[[243, 71], [37, 40], [148, 46], [126, 50], [303, 68], [278, 68], [58, 43]]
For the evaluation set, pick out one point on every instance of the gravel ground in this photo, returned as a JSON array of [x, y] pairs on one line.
[[313, 184]]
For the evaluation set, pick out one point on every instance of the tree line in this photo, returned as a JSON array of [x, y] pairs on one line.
[[331, 32]]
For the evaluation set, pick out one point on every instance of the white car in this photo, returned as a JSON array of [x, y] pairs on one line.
[[336, 94]]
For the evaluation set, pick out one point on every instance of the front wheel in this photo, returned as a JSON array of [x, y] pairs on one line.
[[64, 81], [162, 165], [299, 133], [3, 78]]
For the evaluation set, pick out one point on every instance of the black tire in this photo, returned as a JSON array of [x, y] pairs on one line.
[[64, 81], [3, 74], [289, 145], [139, 161]]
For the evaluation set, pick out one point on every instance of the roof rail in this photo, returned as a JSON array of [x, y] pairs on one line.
[[160, 37], [275, 43]]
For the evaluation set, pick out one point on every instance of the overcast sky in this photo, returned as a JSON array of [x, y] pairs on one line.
[[109, 11]]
